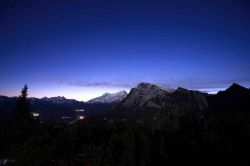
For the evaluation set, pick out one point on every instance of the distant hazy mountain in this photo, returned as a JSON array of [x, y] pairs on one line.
[[60, 100], [109, 97]]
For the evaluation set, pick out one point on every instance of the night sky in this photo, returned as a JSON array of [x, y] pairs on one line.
[[81, 49]]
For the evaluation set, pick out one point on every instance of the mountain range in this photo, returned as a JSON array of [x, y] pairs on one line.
[[145, 100], [148, 100], [109, 97], [60, 108]]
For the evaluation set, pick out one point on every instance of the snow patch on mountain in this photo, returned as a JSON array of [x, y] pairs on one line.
[[109, 97]]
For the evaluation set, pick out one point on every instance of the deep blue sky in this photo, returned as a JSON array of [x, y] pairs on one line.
[[81, 49]]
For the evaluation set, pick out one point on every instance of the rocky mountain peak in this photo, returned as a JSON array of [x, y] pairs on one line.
[[142, 95], [236, 87]]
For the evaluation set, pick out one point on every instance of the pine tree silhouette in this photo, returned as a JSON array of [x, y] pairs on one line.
[[23, 109]]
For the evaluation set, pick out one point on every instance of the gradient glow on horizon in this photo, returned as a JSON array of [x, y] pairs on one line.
[[81, 49]]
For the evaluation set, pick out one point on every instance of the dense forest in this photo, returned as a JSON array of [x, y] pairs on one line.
[[216, 137]]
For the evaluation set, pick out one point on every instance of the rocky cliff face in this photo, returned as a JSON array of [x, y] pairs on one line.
[[149, 97], [142, 96]]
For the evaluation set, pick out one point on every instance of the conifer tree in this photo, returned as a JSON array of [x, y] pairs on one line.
[[23, 110]]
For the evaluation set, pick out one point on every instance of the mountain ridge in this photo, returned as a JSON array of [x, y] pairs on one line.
[[152, 97], [144, 98], [109, 97]]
